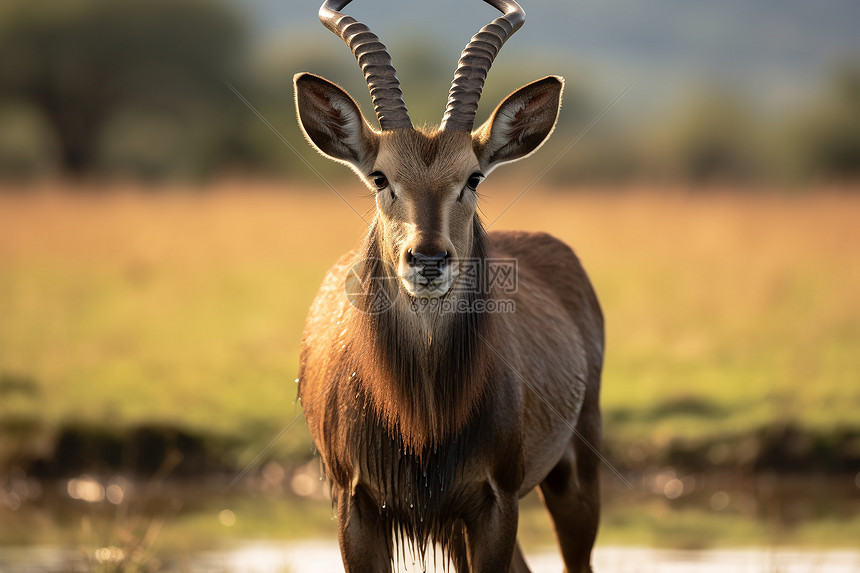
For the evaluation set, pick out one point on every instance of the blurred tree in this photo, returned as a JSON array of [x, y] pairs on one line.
[[81, 61]]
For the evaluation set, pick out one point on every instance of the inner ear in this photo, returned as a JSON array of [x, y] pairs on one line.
[[520, 124], [333, 123]]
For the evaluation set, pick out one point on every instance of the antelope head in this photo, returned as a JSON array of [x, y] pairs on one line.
[[425, 180]]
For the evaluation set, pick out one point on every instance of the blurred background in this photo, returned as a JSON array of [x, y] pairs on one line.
[[160, 245]]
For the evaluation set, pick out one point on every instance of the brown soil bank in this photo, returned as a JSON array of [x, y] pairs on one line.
[[142, 451]]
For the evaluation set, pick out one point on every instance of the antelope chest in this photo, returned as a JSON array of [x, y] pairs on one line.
[[437, 485]]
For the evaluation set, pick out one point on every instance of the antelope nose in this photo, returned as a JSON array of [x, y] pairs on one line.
[[414, 259], [431, 265]]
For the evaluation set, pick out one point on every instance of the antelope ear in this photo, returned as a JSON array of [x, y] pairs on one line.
[[520, 125], [333, 124]]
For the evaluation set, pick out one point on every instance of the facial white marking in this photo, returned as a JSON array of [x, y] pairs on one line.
[[420, 287]]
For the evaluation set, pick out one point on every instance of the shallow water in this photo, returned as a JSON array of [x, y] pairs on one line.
[[324, 557], [99, 523]]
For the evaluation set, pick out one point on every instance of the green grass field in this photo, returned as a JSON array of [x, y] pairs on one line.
[[731, 316], [727, 313]]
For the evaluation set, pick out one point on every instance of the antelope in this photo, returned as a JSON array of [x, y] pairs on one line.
[[432, 422]]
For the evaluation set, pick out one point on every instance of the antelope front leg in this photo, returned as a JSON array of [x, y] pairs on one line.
[[364, 544], [491, 534]]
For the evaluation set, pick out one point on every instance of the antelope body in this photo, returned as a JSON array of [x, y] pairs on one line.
[[431, 424]]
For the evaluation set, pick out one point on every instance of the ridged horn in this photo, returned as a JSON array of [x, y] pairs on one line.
[[374, 61], [475, 62]]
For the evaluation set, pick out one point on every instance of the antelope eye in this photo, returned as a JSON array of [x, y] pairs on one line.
[[379, 180], [474, 180]]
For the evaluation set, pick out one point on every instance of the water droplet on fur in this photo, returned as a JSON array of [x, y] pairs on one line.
[[383, 505], [410, 506]]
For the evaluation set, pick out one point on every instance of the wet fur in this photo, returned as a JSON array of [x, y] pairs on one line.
[[411, 413]]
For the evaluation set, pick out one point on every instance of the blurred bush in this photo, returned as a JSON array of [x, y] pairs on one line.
[[826, 137], [712, 138], [715, 136]]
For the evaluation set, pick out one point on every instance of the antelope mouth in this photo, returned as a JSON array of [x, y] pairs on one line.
[[428, 282]]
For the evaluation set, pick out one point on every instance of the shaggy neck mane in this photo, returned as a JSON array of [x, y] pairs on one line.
[[424, 376]]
